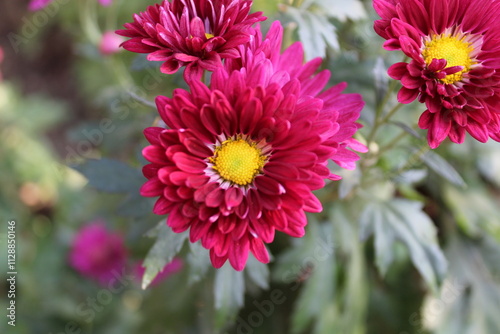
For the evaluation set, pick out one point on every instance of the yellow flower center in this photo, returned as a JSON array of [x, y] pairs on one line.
[[208, 36], [238, 161], [454, 50]]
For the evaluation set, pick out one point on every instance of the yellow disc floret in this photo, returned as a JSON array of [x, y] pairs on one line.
[[208, 36], [238, 161], [455, 51]]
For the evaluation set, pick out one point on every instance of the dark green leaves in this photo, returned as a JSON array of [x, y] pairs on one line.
[[166, 246], [229, 291], [442, 168], [401, 220], [111, 175]]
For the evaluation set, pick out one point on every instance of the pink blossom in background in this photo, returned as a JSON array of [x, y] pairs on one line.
[[170, 268], [98, 253], [40, 4], [110, 43]]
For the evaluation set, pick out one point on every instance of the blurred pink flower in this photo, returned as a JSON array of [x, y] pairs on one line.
[[170, 268], [110, 43], [40, 4], [98, 253]]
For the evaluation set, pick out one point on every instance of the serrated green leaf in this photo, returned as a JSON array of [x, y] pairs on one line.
[[229, 291], [342, 10], [315, 31], [403, 220], [166, 246], [110, 175], [442, 168]]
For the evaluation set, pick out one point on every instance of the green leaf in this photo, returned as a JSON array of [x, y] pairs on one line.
[[315, 31], [199, 262], [470, 298], [403, 220], [476, 211], [407, 129], [136, 206], [442, 168], [229, 291], [111, 175], [166, 246], [381, 80], [342, 10], [488, 160], [258, 272], [318, 269]]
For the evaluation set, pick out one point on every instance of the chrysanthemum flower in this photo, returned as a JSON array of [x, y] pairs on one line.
[[195, 33], [98, 253], [454, 68], [240, 159]]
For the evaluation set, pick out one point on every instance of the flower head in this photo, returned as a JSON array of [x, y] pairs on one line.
[[98, 253], [240, 159], [195, 33], [454, 67]]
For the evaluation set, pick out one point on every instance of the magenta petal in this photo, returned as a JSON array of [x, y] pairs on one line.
[[217, 261], [233, 197], [259, 250], [238, 253], [406, 95], [188, 163]]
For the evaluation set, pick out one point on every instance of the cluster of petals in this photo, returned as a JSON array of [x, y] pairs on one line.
[[468, 105], [197, 34], [98, 253], [267, 98]]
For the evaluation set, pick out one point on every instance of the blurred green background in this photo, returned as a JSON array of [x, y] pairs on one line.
[[63, 102]]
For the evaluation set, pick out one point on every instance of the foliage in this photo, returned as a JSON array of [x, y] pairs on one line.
[[409, 242]]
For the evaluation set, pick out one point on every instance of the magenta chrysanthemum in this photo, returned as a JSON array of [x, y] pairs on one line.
[[192, 33], [454, 68], [240, 159], [98, 253]]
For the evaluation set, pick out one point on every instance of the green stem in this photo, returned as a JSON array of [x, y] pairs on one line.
[[88, 21], [393, 143], [377, 122]]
